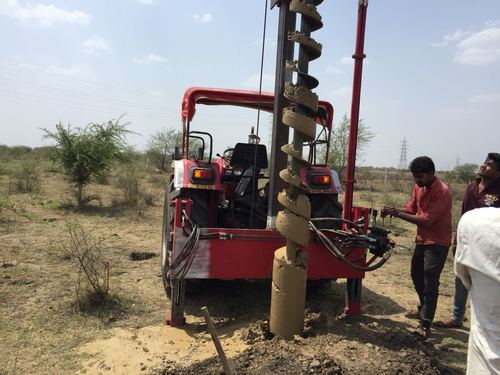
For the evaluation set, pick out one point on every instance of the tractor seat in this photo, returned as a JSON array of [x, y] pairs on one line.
[[248, 154]]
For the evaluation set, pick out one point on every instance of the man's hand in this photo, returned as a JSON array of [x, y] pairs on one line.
[[389, 211]]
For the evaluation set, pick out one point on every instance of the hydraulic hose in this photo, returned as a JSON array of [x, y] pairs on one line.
[[335, 251]]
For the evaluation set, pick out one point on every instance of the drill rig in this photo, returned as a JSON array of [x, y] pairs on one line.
[[221, 218]]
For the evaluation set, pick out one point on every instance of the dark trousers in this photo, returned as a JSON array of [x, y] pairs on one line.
[[426, 266]]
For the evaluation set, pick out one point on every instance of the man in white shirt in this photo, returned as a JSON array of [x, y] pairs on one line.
[[477, 264]]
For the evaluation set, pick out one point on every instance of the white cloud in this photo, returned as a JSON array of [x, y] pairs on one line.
[[481, 48], [252, 82], [149, 59], [95, 44], [145, 2], [43, 15], [485, 99], [456, 35], [206, 18]]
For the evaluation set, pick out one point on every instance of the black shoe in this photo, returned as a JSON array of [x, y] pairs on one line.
[[450, 323]]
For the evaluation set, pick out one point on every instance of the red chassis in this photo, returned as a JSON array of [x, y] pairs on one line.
[[248, 253]]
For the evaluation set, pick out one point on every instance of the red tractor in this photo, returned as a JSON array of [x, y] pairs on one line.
[[216, 208]]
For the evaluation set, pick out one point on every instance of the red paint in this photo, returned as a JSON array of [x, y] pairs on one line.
[[253, 258], [353, 308], [356, 94], [249, 253]]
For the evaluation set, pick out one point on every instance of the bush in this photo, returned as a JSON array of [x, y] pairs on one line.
[[149, 197], [129, 182], [26, 178], [159, 181], [3, 171], [6, 204], [88, 152], [87, 255], [466, 172]]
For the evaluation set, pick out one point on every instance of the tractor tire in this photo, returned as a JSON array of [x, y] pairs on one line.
[[166, 234], [325, 205]]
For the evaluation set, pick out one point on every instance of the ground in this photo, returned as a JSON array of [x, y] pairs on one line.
[[43, 331]]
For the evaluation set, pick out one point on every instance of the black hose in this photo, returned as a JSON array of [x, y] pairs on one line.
[[182, 263], [338, 254]]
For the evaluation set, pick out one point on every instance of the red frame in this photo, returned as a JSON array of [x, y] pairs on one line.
[[242, 98], [249, 253]]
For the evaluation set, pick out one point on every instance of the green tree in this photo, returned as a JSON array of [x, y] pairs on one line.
[[88, 152], [337, 156], [161, 146], [466, 172]]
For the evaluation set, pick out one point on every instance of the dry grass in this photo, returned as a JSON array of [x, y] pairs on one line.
[[41, 325]]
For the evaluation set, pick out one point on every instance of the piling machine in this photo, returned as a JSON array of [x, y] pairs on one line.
[[222, 217]]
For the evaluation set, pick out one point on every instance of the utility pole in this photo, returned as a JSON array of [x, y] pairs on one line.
[[402, 156]]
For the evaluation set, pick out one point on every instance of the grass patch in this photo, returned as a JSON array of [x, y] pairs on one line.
[[106, 307]]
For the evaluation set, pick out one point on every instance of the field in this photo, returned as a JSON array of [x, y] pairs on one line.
[[47, 328]]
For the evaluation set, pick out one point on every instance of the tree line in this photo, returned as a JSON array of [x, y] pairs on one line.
[[87, 153]]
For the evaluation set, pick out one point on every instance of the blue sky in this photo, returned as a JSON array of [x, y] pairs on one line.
[[431, 74]]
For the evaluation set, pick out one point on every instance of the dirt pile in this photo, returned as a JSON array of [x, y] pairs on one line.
[[356, 347]]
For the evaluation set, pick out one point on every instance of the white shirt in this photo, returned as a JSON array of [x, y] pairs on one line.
[[477, 264]]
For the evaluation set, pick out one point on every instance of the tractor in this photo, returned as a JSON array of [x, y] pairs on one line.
[[219, 218]]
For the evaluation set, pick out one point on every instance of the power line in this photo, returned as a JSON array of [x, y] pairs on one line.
[[65, 79], [17, 88]]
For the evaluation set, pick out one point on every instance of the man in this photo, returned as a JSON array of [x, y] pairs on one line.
[[483, 192], [477, 264], [430, 209]]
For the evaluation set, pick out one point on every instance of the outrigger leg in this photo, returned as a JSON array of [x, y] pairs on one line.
[[175, 316], [353, 297]]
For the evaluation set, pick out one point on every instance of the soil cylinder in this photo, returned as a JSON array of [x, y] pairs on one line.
[[288, 295]]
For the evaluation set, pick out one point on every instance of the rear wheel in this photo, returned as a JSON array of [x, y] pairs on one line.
[[325, 205], [174, 289], [167, 237]]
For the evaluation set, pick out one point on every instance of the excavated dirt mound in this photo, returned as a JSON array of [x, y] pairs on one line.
[[380, 341], [396, 352], [331, 344]]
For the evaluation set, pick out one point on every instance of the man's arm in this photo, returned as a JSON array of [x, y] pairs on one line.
[[402, 214], [410, 208], [437, 206]]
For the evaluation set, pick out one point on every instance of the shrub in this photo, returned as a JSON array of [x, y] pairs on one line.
[[87, 255], [88, 152], [6, 204], [159, 181], [26, 178], [466, 172], [129, 182], [149, 197]]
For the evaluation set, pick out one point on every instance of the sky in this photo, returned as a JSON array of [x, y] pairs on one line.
[[431, 76]]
